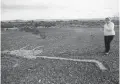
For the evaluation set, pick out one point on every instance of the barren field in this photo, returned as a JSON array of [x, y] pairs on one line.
[[74, 43]]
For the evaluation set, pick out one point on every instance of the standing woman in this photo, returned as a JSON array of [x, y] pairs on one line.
[[109, 34]]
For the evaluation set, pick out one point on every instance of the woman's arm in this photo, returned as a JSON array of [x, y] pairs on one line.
[[110, 27]]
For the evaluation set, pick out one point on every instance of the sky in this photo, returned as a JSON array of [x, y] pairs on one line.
[[58, 9]]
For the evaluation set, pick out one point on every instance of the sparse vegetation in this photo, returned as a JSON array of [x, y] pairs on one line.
[[72, 42]]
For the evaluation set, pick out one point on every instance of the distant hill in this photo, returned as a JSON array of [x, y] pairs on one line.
[[38, 20]]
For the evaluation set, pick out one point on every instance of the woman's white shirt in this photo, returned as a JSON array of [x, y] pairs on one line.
[[109, 29]]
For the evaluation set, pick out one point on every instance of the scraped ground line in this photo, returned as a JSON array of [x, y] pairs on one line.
[[99, 64], [37, 47], [23, 47]]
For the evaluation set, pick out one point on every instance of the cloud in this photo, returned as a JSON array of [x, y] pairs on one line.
[[20, 6], [33, 9]]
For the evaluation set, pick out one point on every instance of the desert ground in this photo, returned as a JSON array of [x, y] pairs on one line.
[[74, 43]]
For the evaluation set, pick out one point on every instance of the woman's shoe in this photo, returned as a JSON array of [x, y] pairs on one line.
[[106, 53]]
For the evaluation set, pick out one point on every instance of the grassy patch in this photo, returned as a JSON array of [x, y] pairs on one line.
[[46, 71], [69, 43]]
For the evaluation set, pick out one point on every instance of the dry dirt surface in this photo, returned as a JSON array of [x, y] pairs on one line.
[[78, 43]]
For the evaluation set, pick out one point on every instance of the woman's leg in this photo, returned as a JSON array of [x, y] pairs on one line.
[[106, 42], [110, 38]]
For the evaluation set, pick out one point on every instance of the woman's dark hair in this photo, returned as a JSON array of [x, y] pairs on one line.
[[108, 18]]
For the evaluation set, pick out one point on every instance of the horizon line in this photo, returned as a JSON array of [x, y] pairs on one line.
[[60, 19], [53, 19]]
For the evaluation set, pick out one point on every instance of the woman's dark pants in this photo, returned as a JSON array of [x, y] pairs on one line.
[[108, 40]]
